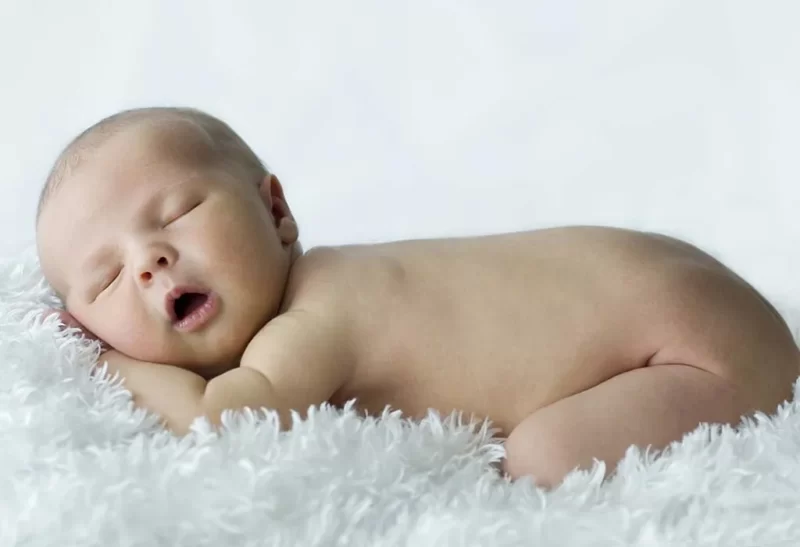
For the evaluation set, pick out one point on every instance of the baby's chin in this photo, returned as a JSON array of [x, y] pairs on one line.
[[214, 351], [206, 365]]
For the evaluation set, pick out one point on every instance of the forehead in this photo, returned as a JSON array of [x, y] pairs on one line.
[[111, 182], [125, 168]]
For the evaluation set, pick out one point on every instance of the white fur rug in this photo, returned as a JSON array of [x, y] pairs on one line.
[[80, 466]]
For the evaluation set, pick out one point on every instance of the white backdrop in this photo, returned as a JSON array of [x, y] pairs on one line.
[[390, 120]]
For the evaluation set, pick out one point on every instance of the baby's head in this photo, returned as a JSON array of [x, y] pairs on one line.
[[151, 201]]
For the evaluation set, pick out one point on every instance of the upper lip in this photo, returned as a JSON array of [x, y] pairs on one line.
[[175, 293]]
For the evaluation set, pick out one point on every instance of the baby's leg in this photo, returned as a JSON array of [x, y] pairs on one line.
[[654, 405]]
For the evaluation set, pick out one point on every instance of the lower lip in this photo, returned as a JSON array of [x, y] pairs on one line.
[[201, 316]]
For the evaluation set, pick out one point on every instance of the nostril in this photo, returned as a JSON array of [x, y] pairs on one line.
[[162, 261], [146, 276]]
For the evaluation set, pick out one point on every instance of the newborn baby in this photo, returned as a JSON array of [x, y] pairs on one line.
[[167, 238]]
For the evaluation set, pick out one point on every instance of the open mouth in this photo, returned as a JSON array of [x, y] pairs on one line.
[[188, 303], [191, 308]]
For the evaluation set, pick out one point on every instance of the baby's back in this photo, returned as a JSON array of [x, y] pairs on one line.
[[500, 326]]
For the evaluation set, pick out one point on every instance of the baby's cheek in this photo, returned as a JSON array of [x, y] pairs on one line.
[[132, 337], [241, 256]]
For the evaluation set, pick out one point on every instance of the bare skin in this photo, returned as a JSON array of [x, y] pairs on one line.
[[504, 325], [576, 342]]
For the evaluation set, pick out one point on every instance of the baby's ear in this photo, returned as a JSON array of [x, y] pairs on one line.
[[288, 231], [272, 194]]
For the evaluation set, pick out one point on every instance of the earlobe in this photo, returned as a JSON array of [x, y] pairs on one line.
[[288, 231]]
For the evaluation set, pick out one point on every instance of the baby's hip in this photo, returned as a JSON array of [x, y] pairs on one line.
[[717, 322]]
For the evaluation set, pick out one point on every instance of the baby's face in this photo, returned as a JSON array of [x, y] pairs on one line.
[[129, 229]]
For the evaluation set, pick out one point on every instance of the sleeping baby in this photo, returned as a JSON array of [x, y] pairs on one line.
[[167, 239]]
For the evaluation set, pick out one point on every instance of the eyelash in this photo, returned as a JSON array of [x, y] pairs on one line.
[[106, 285], [110, 282], [183, 214]]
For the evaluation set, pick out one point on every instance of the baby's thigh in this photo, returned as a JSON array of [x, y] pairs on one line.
[[720, 324], [650, 406]]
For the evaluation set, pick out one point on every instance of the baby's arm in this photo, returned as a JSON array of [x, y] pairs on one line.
[[294, 362], [171, 392]]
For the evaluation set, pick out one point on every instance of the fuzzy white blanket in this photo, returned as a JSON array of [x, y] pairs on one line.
[[80, 466]]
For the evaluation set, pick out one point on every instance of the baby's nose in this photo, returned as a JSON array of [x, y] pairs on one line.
[[146, 274], [153, 259]]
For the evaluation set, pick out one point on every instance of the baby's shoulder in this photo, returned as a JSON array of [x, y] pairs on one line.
[[314, 273], [321, 283], [330, 271]]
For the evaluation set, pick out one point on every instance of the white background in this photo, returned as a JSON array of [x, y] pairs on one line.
[[389, 120]]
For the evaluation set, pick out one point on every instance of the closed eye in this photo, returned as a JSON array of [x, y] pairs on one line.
[[183, 213], [111, 280]]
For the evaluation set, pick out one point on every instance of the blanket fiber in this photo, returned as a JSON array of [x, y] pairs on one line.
[[79, 465]]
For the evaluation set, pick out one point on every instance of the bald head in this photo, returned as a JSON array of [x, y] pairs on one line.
[[187, 136]]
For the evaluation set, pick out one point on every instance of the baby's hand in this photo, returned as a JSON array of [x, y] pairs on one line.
[[70, 322]]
